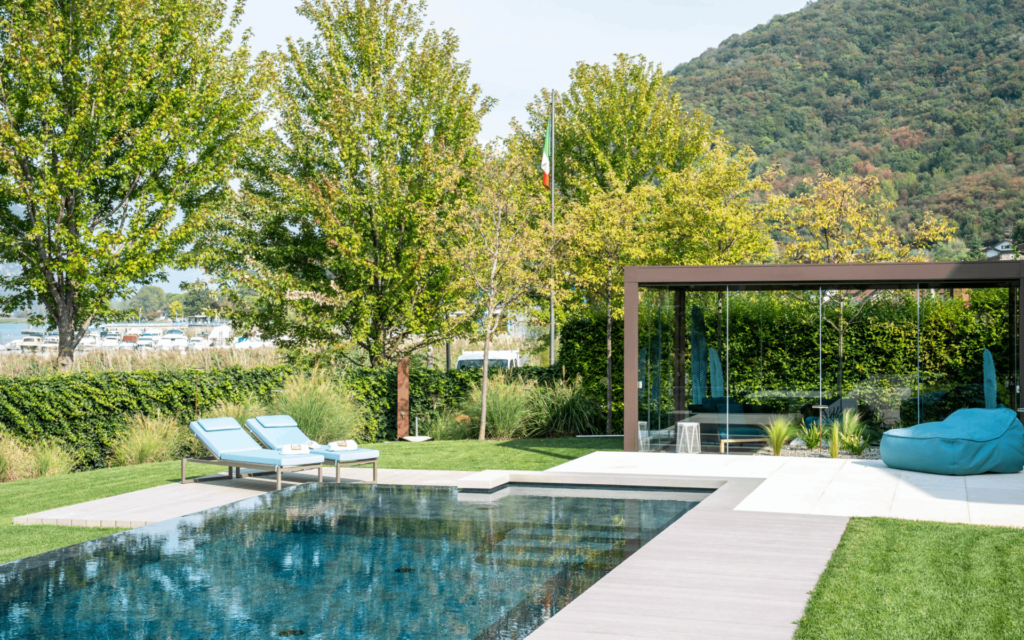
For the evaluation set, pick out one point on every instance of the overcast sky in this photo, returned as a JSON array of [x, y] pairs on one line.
[[517, 47]]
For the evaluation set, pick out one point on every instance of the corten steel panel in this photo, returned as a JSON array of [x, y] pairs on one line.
[[947, 273], [403, 397], [631, 364]]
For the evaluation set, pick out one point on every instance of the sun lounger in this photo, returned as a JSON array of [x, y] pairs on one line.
[[277, 431], [232, 447]]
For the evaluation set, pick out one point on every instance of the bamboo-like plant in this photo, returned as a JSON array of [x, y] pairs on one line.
[[833, 440], [779, 431]]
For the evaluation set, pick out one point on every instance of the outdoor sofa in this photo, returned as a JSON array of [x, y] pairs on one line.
[[968, 442], [232, 447], [278, 431]]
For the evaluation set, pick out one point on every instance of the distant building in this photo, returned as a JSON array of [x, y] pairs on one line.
[[1005, 250]]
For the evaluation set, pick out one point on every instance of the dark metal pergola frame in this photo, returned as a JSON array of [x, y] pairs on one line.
[[935, 275]]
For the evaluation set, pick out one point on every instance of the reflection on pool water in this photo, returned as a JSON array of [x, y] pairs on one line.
[[340, 561]]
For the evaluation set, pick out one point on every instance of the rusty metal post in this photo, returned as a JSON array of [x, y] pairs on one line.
[[631, 363], [403, 398]]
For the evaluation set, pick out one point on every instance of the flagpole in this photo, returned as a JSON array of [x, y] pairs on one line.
[[551, 350]]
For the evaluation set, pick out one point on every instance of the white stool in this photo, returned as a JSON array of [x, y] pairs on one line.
[[687, 437]]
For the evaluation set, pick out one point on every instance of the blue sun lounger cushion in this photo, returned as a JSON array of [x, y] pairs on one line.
[[968, 442], [277, 431], [227, 440]]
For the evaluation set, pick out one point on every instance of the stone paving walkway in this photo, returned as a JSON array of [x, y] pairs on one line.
[[835, 487], [147, 506]]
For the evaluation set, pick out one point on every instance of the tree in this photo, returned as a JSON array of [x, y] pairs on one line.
[[116, 116], [504, 245], [617, 127], [376, 131], [839, 222], [605, 238], [150, 299], [196, 300], [176, 309], [714, 213]]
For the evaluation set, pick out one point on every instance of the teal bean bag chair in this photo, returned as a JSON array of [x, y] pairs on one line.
[[968, 442]]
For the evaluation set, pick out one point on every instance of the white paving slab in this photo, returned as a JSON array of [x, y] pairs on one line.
[[834, 487], [139, 508]]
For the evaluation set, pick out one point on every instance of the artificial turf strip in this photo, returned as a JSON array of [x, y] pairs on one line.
[[31, 496], [910, 580]]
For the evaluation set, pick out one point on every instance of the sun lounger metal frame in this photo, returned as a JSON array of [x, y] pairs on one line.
[[235, 469]]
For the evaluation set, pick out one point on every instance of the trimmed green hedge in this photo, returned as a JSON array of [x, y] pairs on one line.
[[86, 411]]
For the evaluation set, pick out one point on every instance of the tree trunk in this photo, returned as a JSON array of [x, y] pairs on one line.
[[608, 364], [483, 385]]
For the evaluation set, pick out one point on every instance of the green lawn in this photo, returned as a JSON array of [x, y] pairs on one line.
[[30, 496], [907, 580]]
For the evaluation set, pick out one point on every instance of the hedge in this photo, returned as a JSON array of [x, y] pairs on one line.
[[86, 411]]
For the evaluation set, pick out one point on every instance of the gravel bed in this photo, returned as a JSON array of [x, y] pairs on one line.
[[803, 452]]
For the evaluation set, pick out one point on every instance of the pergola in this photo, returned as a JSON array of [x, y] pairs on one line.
[[679, 280]]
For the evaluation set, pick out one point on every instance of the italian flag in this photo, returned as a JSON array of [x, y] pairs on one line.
[[545, 160]]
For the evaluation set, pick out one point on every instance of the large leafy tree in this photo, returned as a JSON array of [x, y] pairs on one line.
[[119, 121], [606, 236], [841, 220], [504, 246], [617, 127], [376, 124]]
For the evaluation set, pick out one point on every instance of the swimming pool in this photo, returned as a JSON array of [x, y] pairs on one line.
[[341, 561]]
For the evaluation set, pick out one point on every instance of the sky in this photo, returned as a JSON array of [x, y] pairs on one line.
[[518, 47]]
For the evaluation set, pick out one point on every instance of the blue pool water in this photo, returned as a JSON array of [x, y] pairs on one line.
[[340, 561]]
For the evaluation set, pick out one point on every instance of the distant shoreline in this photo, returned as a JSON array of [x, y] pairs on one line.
[[13, 320]]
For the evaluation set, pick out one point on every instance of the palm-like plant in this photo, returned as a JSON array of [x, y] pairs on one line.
[[779, 431]]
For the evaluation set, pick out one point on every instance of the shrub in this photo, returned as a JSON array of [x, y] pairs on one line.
[[324, 410], [448, 425], [509, 407], [833, 440], [87, 411], [148, 439], [779, 431], [810, 434], [563, 409], [51, 459], [853, 438], [15, 462]]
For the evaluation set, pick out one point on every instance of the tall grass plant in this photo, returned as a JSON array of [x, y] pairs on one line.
[[156, 438], [779, 431], [324, 410]]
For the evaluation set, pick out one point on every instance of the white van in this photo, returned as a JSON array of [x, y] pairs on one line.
[[495, 360]]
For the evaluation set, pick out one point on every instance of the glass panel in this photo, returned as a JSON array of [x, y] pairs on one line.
[[958, 327], [870, 343], [657, 370], [773, 364]]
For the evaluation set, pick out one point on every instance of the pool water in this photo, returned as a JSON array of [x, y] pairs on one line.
[[340, 561]]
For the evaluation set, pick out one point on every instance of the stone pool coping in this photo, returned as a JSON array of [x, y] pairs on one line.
[[717, 572]]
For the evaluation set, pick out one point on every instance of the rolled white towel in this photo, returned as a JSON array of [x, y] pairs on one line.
[[342, 445], [293, 450], [312, 444]]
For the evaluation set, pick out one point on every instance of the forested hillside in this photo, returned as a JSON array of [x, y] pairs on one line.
[[925, 95]]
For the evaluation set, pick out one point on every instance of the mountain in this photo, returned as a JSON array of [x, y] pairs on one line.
[[928, 96]]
